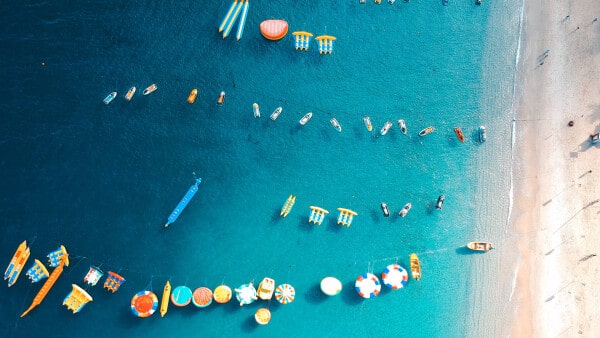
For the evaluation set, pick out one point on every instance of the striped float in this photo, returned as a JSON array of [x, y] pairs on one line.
[[144, 303], [394, 276], [367, 285], [274, 29]]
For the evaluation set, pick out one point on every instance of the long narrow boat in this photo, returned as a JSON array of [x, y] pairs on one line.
[[480, 246], [150, 89], [164, 302], [415, 266], [130, 93], [37, 300], [184, 202], [482, 134], [402, 126], [288, 206], [16, 263], [426, 131], [459, 134]]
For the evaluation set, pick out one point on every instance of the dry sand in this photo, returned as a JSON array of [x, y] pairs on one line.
[[556, 171]]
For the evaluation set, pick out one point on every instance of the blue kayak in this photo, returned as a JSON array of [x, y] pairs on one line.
[[184, 202]]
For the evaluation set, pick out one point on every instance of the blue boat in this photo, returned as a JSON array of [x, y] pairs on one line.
[[184, 202], [110, 98]]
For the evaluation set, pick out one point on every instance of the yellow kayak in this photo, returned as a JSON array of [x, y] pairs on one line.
[[164, 302]]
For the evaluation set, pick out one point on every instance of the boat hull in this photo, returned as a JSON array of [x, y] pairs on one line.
[[305, 118], [150, 89], [480, 246], [459, 134], [426, 131], [415, 266]]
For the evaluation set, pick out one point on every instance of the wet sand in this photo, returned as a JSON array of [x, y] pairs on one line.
[[556, 171]]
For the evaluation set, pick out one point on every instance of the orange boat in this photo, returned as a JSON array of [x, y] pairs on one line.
[[37, 300], [274, 29], [16, 263], [459, 134], [192, 96]]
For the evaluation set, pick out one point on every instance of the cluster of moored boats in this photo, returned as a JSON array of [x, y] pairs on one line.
[[110, 98]]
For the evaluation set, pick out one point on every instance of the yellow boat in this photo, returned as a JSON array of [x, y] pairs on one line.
[[192, 96], [415, 266], [37, 300], [16, 263], [164, 302], [266, 288], [288, 206]]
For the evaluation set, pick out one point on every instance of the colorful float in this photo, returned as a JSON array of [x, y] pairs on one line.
[[266, 288], [164, 301], [37, 272], [325, 43], [302, 40], [181, 296], [331, 286], [289, 203], [57, 256], [246, 294], [202, 297], [262, 316], [317, 215], [367, 285], [394, 276], [76, 299], [274, 29], [285, 293], [113, 281], [346, 216], [184, 202], [192, 97], [93, 276], [16, 263], [144, 304], [222, 294], [231, 17]]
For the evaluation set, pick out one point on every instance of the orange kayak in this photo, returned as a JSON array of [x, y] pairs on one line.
[[274, 29], [459, 134]]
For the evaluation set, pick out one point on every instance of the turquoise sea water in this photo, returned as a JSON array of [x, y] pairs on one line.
[[103, 179]]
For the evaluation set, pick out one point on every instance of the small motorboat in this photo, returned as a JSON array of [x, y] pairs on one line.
[[192, 97], [426, 131], [415, 266], [110, 98], [266, 288], [405, 209], [459, 134], [440, 202], [150, 89], [130, 93], [482, 134], [256, 110], [391, 2], [480, 246], [335, 124], [305, 118], [478, 2], [384, 208], [221, 98], [402, 126], [275, 113], [595, 138], [367, 121], [386, 127]]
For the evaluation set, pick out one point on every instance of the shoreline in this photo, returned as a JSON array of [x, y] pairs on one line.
[[556, 188]]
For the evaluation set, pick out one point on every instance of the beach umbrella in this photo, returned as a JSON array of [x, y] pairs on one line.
[[144, 303], [394, 276], [367, 285], [262, 316], [331, 286], [202, 297], [246, 294], [222, 294], [181, 296], [285, 293]]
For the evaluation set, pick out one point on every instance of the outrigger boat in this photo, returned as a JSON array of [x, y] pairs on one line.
[[288, 206], [440, 202], [367, 121], [386, 127], [482, 134], [192, 97], [305, 118], [150, 89], [130, 93], [164, 302], [480, 246], [459, 134], [266, 288], [256, 110], [405, 209], [335, 124], [275, 113], [402, 126], [426, 131], [384, 208], [415, 266], [110, 98], [16, 263]]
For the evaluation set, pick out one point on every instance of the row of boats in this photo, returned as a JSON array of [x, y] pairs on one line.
[[110, 98], [406, 208]]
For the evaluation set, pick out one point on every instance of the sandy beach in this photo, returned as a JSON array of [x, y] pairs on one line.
[[556, 171]]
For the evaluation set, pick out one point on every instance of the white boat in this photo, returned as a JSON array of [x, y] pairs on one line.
[[480, 246], [426, 131], [386, 127], [130, 93], [402, 126], [335, 124], [482, 134], [367, 121], [110, 98], [305, 118], [440, 202], [276, 113], [384, 208], [405, 209], [150, 89], [391, 2], [256, 110]]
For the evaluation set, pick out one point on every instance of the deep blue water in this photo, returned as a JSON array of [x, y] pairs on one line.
[[103, 179]]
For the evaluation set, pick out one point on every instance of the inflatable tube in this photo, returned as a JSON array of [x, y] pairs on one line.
[[367, 285], [144, 304]]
